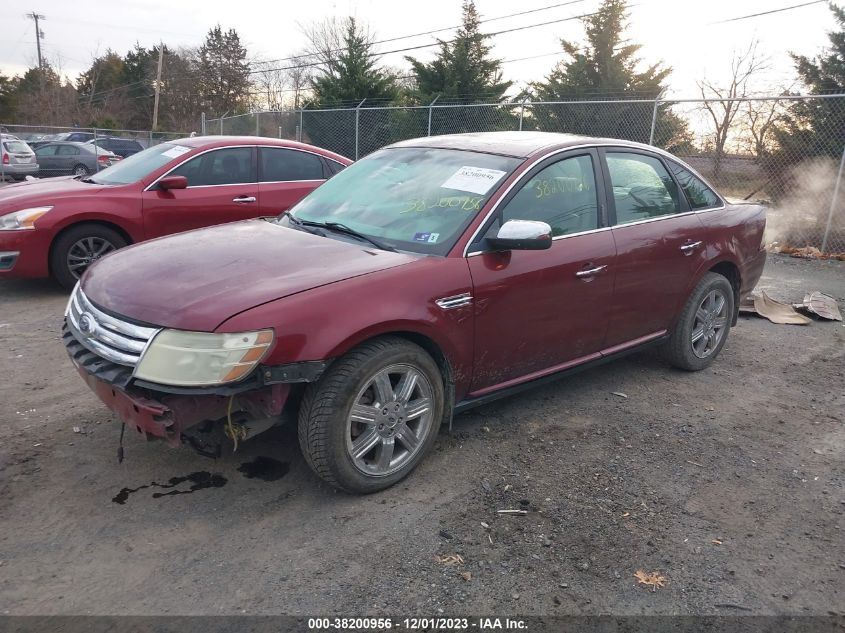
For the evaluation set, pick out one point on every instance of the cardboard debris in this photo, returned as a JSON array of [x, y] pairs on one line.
[[777, 312], [820, 304], [815, 303]]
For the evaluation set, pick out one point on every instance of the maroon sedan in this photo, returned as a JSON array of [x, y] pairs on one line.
[[58, 227], [432, 276]]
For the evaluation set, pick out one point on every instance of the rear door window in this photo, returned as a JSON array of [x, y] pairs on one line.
[[699, 195], [67, 150], [280, 165], [642, 188]]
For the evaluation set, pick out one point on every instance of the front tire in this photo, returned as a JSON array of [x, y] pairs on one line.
[[704, 324], [373, 416], [79, 247]]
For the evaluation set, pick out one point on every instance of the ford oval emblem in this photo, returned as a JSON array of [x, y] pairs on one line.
[[87, 324]]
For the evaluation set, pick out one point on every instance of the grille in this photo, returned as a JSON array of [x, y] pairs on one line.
[[111, 338]]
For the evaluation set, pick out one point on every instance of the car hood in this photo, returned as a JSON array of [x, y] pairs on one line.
[[43, 191], [197, 280]]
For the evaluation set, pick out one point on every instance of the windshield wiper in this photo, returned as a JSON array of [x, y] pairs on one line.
[[342, 228]]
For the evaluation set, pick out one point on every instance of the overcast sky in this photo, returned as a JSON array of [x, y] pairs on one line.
[[685, 34]]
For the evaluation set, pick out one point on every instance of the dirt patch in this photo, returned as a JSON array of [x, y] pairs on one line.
[[728, 484]]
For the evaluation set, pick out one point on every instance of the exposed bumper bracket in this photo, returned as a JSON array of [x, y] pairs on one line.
[[306, 371]]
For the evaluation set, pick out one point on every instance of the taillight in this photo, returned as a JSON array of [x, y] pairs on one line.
[[5, 159], [103, 159]]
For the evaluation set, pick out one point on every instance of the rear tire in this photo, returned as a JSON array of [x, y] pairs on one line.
[[80, 170], [79, 247], [704, 324], [397, 393]]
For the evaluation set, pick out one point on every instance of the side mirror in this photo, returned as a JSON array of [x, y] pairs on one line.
[[522, 235], [173, 182]]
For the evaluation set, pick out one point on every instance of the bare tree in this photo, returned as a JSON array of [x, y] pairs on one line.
[[725, 108], [762, 117]]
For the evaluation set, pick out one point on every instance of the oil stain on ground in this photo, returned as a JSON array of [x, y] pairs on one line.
[[264, 468], [199, 481]]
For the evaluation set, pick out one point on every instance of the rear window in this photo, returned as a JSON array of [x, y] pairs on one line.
[[17, 147]]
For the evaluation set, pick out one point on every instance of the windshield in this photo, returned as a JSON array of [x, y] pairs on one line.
[[414, 199], [139, 165]]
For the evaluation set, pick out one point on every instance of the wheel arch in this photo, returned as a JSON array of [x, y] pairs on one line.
[[730, 271], [105, 223], [424, 340]]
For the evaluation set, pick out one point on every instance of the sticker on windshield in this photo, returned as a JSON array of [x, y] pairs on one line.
[[473, 179], [429, 238], [176, 151]]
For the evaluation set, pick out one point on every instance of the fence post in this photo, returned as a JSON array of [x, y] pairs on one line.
[[96, 152], [522, 112], [151, 138], [300, 130], [357, 111], [221, 125], [430, 108], [257, 126], [653, 122], [202, 122], [833, 201]]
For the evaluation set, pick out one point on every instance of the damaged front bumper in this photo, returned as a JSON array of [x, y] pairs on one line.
[[188, 415]]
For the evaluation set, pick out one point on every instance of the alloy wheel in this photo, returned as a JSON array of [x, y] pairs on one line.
[[389, 420], [710, 323], [85, 252]]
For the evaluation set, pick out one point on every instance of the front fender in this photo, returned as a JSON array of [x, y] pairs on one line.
[[326, 322]]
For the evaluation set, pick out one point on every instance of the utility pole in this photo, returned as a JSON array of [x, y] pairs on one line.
[[158, 84], [39, 34]]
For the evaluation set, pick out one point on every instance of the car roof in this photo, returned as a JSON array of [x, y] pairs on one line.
[[223, 141], [515, 144]]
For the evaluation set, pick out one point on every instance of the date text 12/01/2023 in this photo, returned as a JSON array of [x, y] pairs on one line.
[[417, 623]]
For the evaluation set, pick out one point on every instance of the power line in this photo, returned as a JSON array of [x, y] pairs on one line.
[[448, 28], [420, 46], [754, 15]]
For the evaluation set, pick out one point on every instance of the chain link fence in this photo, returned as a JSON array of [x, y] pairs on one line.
[[785, 151], [108, 146]]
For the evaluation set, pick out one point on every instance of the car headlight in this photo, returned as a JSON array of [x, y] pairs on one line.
[[23, 219], [193, 359]]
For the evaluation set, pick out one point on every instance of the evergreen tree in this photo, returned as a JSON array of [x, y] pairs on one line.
[[815, 127], [607, 68], [223, 72], [463, 71], [350, 73]]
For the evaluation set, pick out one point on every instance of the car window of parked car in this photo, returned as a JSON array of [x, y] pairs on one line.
[[334, 166], [139, 165], [414, 199], [17, 147], [642, 188], [46, 150], [228, 166], [699, 195], [67, 150], [563, 195], [279, 165]]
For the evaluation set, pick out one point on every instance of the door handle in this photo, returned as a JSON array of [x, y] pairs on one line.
[[243, 199], [590, 271], [687, 249]]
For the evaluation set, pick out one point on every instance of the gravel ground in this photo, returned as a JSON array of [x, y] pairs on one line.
[[729, 483]]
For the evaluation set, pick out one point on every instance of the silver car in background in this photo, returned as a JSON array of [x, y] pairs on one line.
[[17, 160], [60, 158]]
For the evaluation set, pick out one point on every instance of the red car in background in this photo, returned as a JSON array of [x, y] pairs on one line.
[[59, 226]]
